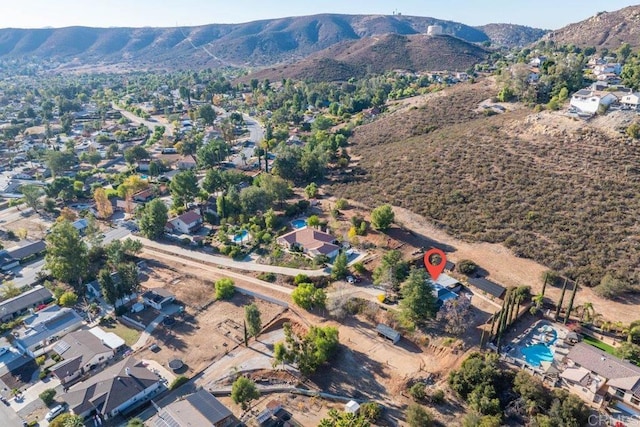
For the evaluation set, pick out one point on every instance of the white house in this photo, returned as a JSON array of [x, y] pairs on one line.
[[44, 328], [187, 162], [116, 390], [186, 223], [158, 298], [589, 101], [631, 100], [614, 68]]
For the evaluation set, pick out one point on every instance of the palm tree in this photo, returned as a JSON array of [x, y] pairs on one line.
[[606, 326], [587, 312]]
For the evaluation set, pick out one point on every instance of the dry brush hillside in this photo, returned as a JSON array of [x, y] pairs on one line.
[[555, 190]]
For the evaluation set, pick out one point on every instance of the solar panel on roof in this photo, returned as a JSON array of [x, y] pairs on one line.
[[165, 420], [61, 347]]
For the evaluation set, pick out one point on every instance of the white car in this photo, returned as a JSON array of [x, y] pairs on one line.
[[54, 412]]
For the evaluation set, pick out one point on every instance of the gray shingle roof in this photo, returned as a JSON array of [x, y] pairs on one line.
[[605, 365], [33, 297], [26, 248], [198, 409], [488, 286]]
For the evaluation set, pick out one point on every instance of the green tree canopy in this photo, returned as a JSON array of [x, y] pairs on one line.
[[32, 194], [307, 296], [184, 188], [382, 217], [307, 351], [67, 255], [340, 269], [153, 218], [207, 114], [252, 319], [418, 302], [244, 391], [225, 288]]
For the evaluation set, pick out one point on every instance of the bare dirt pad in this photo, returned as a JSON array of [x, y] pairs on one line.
[[33, 225], [198, 337], [191, 290]]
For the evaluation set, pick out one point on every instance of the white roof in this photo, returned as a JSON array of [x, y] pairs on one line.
[[446, 281], [352, 407], [109, 339]]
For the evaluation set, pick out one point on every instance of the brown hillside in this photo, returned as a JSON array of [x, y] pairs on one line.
[[606, 29], [552, 189], [380, 54]]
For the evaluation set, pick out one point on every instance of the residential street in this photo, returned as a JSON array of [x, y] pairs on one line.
[[139, 120]]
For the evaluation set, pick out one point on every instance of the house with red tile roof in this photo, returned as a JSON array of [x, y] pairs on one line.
[[310, 241]]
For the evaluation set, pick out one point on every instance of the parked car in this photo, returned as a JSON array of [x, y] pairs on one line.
[[54, 412]]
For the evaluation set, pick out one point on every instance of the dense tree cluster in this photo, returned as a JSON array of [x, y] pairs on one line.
[[307, 351]]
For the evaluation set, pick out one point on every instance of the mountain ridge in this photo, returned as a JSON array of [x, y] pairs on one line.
[[254, 44]]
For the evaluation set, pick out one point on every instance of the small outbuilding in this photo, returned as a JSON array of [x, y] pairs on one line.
[[388, 333], [352, 407]]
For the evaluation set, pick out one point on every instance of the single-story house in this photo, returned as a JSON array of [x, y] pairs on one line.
[[310, 241], [187, 163], [44, 328], [597, 376], [143, 196], [589, 101], [158, 298], [198, 409], [27, 249], [186, 223], [7, 262], [23, 302], [448, 282], [143, 165], [116, 390], [121, 205], [487, 286], [80, 225], [442, 294], [82, 351]]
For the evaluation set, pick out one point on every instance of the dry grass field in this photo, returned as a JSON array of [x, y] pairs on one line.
[[553, 189]]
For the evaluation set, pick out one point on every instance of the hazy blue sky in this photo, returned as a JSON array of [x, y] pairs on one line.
[[550, 14]]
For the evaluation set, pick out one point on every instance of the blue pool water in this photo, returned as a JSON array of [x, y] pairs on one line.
[[537, 353], [144, 176], [241, 237], [299, 223]]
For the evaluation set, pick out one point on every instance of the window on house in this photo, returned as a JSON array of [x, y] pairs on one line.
[[619, 393], [635, 401]]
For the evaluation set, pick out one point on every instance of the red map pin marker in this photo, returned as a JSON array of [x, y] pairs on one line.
[[434, 269]]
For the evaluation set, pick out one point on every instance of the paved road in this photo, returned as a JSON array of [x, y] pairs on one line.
[[27, 274], [117, 233], [139, 120], [15, 213], [226, 262], [8, 417]]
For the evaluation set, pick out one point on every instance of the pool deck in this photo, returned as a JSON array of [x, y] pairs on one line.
[[541, 332]]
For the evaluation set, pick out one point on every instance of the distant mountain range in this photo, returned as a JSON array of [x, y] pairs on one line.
[[256, 44]]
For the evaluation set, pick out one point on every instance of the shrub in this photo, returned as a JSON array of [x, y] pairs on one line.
[[267, 277], [634, 130], [417, 416], [225, 288], [468, 267], [437, 396], [359, 267], [47, 396], [382, 298], [418, 391], [382, 217], [301, 278], [371, 411], [244, 391], [342, 204], [40, 360], [178, 382], [307, 296]]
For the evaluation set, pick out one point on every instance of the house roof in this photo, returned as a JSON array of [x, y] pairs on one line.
[[109, 339], [197, 409], [387, 331], [187, 159], [575, 374], [189, 217], [447, 281], [158, 295], [47, 323], [311, 239], [488, 286], [110, 388], [77, 349], [80, 224], [27, 248], [603, 364], [143, 194], [37, 295]]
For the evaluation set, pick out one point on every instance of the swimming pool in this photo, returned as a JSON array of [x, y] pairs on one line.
[[241, 237], [536, 354], [299, 223]]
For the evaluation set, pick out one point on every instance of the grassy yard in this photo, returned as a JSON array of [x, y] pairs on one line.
[[599, 344], [129, 335]]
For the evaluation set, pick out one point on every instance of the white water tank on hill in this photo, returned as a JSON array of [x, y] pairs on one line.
[[434, 30]]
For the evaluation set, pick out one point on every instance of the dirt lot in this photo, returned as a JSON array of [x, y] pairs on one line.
[[195, 292], [25, 225], [198, 338]]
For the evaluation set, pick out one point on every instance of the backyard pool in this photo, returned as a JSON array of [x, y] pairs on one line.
[[299, 223], [241, 237], [537, 353]]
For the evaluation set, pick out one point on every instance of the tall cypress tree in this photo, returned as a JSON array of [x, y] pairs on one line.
[[570, 307], [559, 307]]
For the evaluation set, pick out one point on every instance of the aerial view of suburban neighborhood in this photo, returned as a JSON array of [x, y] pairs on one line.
[[333, 218]]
